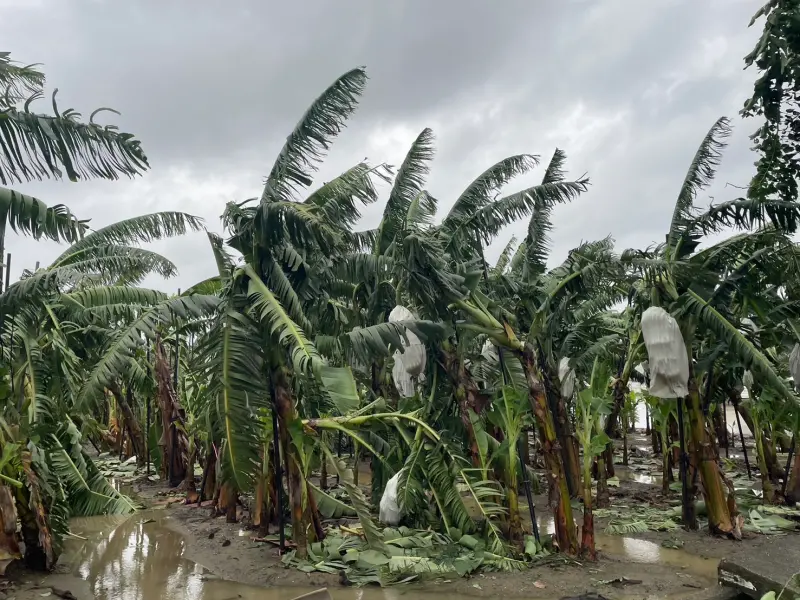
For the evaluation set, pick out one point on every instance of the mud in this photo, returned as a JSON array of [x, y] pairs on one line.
[[173, 551]]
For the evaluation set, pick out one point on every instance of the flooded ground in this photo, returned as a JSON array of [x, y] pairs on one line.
[[140, 558], [144, 557], [180, 551]]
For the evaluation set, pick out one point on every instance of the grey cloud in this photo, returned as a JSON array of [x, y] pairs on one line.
[[213, 88]]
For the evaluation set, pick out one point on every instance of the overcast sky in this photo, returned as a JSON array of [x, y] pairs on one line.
[[628, 88]]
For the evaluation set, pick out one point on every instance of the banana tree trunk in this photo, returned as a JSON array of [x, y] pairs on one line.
[[774, 468], [287, 415], [565, 534], [767, 486], [603, 495], [323, 472], [313, 516], [718, 419], [135, 433], [188, 480], [208, 483], [173, 440], [264, 500], [9, 544], [720, 517], [588, 550], [41, 552], [612, 421], [228, 499], [469, 398], [570, 456], [515, 533]]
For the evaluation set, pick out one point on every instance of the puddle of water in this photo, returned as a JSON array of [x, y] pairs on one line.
[[127, 558], [139, 558], [626, 474], [642, 551]]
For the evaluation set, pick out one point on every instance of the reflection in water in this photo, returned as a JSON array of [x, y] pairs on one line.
[[128, 558], [626, 474], [641, 551]]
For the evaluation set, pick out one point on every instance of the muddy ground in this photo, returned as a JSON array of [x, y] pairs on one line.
[[675, 564], [635, 566]]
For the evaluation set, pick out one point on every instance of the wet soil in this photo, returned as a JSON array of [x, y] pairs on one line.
[[628, 567], [167, 553], [173, 551]]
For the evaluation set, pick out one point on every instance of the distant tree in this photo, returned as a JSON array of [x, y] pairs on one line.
[[776, 98]]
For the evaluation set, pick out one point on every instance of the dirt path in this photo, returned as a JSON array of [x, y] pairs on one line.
[[228, 551]]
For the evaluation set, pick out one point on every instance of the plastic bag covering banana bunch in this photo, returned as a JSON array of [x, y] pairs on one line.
[[666, 351], [794, 365], [489, 351], [747, 380], [389, 513], [567, 377], [411, 363]]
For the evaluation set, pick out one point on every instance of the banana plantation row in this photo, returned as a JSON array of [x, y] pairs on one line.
[[401, 341]]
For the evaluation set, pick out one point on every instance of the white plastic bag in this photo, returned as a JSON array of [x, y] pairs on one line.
[[567, 377], [411, 363], [666, 351], [390, 510]]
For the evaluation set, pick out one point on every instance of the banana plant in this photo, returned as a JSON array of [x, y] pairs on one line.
[[661, 413], [511, 412], [594, 403]]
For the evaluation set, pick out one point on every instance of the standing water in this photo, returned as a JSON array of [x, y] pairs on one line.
[[141, 558]]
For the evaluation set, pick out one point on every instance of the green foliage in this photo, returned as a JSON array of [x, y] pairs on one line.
[[409, 555], [297, 312], [38, 145], [775, 100], [306, 145]]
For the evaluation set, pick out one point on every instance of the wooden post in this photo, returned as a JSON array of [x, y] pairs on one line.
[[147, 429]]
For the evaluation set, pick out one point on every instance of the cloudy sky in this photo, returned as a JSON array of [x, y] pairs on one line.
[[628, 88]]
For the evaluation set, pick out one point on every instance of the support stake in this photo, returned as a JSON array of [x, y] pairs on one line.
[[147, 430], [528, 495], [741, 436], [683, 464]]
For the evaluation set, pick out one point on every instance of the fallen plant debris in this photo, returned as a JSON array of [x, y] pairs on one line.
[[407, 555]]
